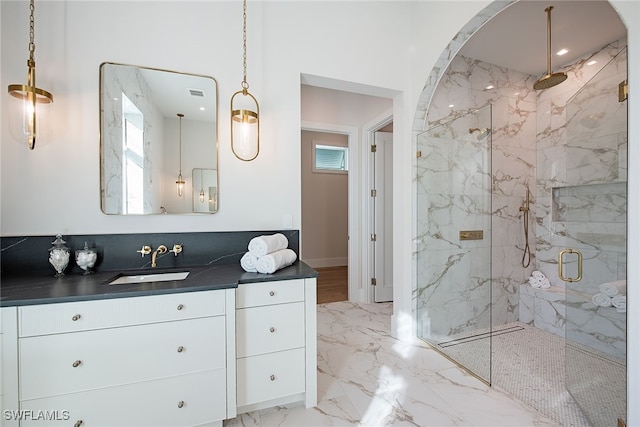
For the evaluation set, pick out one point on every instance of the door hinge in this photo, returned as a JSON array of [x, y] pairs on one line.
[[623, 91], [419, 154], [373, 237], [373, 193], [374, 282], [374, 148]]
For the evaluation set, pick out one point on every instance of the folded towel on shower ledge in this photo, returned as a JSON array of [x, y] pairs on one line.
[[614, 288], [538, 280], [537, 275], [263, 245], [601, 300], [620, 303]]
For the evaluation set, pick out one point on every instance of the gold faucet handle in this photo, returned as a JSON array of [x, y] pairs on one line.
[[176, 249], [146, 250]]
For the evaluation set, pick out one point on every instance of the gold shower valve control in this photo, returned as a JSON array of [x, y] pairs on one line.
[[471, 234]]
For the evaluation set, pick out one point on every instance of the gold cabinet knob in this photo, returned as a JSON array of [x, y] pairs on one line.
[[271, 293], [181, 404], [272, 329], [180, 306], [78, 423], [76, 318], [180, 349], [272, 377], [77, 363]]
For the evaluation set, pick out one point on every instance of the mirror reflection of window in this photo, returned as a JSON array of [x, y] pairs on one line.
[[133, 155]]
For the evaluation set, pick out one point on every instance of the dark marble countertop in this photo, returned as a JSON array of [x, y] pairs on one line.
[[25, 290]]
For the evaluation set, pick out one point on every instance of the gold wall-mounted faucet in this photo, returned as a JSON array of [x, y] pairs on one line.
[[161, 249]]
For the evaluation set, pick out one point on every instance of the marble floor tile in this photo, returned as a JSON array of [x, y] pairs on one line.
[[367, 378]]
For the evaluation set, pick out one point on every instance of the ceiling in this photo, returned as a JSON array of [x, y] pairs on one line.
[[516, 38]]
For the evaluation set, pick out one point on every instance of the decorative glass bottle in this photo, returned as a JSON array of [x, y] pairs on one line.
[[59, 255], [86, 258]]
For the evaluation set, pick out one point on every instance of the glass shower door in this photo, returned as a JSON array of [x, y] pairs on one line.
[[454, 240], [592, 209]]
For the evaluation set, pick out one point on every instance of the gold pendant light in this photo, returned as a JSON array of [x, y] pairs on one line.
[[24, 125], [245, 120], [180, 181]]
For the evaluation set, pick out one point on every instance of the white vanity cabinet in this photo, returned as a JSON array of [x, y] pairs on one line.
[[157, 360], [276, 344]]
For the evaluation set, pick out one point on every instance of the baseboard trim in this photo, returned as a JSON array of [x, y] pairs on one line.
[[326, 262]]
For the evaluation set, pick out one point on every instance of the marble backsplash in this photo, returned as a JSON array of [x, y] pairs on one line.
[[28, 255]]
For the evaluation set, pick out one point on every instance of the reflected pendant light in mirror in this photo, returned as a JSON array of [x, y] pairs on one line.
[[180, 181], [25, 116], [245, 120]]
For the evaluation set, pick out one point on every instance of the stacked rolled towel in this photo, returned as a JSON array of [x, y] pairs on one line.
[[601, 300], [539, 280], [612, 294], [620, 303], [267, 254], [619, 287], [262, 245], [276, 260]]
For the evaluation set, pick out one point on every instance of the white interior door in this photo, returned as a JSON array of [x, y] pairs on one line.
[[382, 234]]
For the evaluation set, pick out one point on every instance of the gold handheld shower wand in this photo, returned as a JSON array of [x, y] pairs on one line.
[[527, 251]]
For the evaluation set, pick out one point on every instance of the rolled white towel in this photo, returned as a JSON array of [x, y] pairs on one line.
[[249, 262], [537, 275], [275, 261], [545, 284], [535, 283], [263, 245], [601, 300], [614, 288], [620, 303]]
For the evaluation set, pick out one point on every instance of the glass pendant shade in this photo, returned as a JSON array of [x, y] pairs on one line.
[[245, 128], [180, 180]]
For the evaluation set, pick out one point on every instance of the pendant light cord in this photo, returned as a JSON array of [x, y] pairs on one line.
[[244, 84]]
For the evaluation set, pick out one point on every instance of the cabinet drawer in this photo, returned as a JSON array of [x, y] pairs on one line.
[[265, 293], [270, 376], [66, 363], [155, 404], [269, 328], [78, 316]]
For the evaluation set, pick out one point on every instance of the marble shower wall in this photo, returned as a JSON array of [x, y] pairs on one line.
[[468, 183], [529, 150], [581, 189], [130, 82]]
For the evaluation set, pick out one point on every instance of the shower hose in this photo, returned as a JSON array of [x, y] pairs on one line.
[[526, 255]]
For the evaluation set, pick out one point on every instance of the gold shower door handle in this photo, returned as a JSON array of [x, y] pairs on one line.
[[560, 262]]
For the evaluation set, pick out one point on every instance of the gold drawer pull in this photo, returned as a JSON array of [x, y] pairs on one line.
[[272, 329], [180, 349], [272, 377], [77, 363], [76, 318], [78, 423], [180, 307], [181, 404], [272, 294]]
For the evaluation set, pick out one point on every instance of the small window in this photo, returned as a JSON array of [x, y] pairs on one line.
[[330, 158]]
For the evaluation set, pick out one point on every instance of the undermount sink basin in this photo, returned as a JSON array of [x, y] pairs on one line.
[[147, 278]]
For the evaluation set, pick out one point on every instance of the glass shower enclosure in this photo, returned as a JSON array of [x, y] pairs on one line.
[[454, 240], [592, 210]]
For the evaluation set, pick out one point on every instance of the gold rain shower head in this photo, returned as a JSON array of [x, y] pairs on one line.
[[549, 79]]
